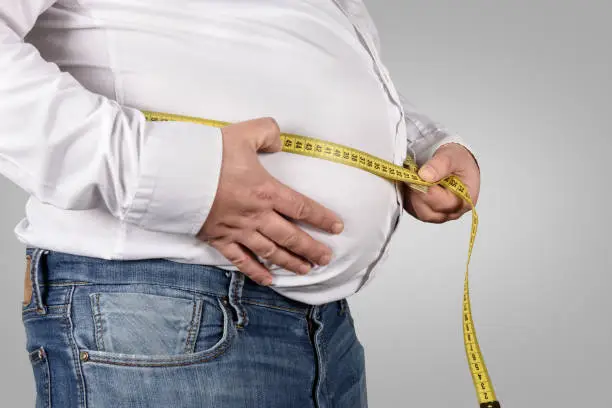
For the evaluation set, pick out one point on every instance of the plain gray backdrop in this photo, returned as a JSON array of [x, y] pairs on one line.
[[528, 84]]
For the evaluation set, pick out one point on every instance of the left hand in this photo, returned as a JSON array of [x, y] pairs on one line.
[[439, 205]]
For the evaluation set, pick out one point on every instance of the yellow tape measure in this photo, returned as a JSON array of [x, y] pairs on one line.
[[308, 146]]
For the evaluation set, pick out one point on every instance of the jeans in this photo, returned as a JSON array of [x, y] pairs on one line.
[[156, 333]]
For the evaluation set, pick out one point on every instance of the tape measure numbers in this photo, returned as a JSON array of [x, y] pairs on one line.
[[408, 174]]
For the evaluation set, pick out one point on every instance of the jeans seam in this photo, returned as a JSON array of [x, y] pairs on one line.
[[97, 317], [48, 382], [321, 385], [38, 357], [75, 354], [194, 326], [67, 283]]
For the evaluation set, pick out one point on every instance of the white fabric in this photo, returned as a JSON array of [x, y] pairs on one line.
[[106, 183]]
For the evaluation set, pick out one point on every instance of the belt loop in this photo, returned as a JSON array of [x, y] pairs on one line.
[[343, 305], [36, 276], [235, 298]]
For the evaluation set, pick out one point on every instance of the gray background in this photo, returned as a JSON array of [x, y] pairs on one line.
[[528, 84]]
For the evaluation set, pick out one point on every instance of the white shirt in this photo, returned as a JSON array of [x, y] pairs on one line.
[[106, 183]]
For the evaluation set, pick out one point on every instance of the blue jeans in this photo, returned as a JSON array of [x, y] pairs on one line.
[[156, 333]]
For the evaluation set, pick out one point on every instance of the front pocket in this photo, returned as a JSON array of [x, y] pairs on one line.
[[40, 366], [141, 323], [154, 327]]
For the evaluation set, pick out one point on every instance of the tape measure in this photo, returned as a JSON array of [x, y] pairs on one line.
[[312, 147]]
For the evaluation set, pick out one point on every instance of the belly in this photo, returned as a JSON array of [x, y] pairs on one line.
[[304, 67]]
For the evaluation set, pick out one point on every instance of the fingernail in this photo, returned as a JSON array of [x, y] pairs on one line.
[[267, 281], [427, 173], [337, 227], [324, 260], [304, 269]]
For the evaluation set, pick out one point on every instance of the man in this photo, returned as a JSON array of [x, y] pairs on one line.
[[176, 264]]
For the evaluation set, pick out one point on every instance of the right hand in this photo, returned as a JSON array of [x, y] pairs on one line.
[[250, 209]]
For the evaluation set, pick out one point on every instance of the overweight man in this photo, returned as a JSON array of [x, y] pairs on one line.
[[174, 264]]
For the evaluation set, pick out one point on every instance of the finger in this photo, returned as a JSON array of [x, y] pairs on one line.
[[441, 165], [456, 215], [442, 200], [245, 263], [268, 250], [264, 132], [422, 211], [287, 235], [299, 207]]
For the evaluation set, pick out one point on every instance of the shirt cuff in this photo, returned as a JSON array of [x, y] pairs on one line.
[[426, 154], [180, 166]]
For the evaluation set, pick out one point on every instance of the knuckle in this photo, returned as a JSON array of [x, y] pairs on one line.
[[249, 213], [271, 125], [291, 241], [302, 209], [269, 252], [239, 260], [459, 207]]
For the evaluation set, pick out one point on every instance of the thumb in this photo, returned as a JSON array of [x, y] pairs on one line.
[[438, 167], [268, 135]]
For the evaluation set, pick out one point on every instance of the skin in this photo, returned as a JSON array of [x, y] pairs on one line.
[[252, 211], [439, 205]]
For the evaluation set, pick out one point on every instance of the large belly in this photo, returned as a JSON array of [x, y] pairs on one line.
[[325, 95], [305, 68]]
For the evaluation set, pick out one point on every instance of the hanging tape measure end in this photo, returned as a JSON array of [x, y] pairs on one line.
[[492, 404]]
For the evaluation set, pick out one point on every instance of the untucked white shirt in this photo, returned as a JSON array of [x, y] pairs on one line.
[[105, 183]]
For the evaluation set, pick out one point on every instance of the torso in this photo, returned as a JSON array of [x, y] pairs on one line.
[[297, 61]]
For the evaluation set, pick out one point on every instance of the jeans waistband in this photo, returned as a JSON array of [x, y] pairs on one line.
[[59, 268]]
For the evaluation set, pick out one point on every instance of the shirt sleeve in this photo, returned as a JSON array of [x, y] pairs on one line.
[[425, 135], [78, 150]]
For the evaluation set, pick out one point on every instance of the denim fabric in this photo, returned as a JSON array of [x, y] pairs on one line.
[[156, 333]]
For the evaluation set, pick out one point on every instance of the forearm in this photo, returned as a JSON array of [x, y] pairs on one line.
[[75, 149]]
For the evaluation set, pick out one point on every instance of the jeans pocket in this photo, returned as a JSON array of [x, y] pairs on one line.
[[142, 323], [151, 327], [40, 366]]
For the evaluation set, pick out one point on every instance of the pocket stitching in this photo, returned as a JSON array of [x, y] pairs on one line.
[[131, 360], [98, 328], [194, 326]]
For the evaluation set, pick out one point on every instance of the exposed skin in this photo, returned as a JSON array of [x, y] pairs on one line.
[[252, 211], [439, 205]]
